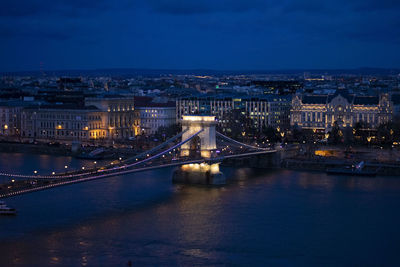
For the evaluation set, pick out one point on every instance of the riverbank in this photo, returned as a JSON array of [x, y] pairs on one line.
[[60, 149], [301, 162], [321, 164]]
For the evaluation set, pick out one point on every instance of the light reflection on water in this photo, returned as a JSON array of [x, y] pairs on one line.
[[20, 163], [261, 218]]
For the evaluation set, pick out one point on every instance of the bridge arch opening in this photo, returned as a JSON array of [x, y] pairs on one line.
[[195, 147]]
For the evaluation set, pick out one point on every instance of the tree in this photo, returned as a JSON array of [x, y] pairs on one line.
[[360, 133], [388, 132], [297, 134], [271, 134], [336, 135]]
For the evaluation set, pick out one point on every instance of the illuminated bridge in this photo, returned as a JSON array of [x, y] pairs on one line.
[[196, 153]]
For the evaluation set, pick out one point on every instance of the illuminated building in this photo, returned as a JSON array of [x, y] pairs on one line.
[[119, 116], [320, 112], [154, 115], [10, 116], [62, 122], [264, 110]]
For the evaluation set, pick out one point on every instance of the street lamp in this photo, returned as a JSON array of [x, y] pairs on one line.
[[369, 138]]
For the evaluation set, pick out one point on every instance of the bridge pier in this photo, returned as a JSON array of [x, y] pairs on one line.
[[203, 173]]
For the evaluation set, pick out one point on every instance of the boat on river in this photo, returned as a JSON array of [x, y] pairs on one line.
[[5, 210], [357, 170]]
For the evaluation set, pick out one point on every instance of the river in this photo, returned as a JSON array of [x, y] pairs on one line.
[[260, 218]]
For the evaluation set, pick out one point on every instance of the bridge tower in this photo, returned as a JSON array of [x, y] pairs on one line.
[[199, 173], [192, 124]]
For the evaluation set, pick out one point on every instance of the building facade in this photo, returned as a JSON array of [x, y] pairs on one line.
[[264, 110], [321, 112], [10, 116], [154, 115], [62, 122], [119, 118]]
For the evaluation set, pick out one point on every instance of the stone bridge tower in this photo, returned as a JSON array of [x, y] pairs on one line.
[[199, 173], [194, 123]]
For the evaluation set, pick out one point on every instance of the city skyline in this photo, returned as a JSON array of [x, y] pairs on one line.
[[220, 35], [199, 133]]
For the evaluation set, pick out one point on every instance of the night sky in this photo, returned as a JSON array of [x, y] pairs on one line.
[[186, 34]]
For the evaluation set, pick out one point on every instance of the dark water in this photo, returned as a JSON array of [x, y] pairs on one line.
[[275, 218]]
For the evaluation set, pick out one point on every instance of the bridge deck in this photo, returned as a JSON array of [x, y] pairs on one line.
[[101, 174]]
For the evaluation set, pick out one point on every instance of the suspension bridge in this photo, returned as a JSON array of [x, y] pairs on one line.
[[197, 153]]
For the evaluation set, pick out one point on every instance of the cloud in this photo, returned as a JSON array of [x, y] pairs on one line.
[[201, 31], [184, 7], [23, 8], [375, 5], [37, 32]]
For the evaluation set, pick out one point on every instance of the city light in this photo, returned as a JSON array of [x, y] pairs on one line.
[[242, 133]]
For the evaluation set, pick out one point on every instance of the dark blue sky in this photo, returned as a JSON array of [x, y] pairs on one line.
[[186, 34]]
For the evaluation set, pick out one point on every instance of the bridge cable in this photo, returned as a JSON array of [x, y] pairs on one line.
[[239, 143], [143, 154], [115, 168]]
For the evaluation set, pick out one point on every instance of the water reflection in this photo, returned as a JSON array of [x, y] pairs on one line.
[[262, 217]]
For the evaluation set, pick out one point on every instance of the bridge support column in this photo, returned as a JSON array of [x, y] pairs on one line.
[[199, 174]]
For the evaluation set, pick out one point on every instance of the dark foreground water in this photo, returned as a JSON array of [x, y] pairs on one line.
[[275, 218]]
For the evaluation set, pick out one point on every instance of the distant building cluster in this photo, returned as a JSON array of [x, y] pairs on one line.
[[103, 109], [101, 118]]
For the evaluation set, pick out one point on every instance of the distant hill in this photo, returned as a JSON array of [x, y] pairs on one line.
[[131, 72]]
